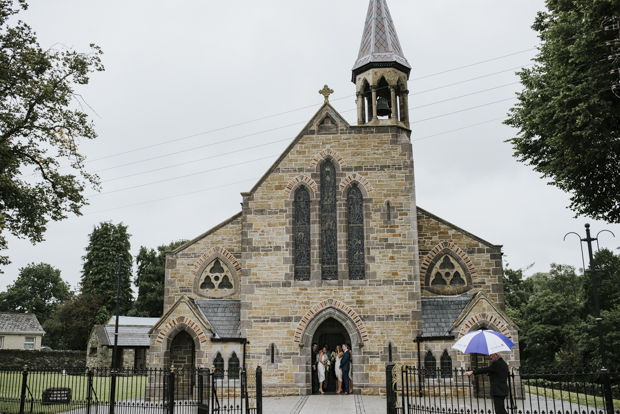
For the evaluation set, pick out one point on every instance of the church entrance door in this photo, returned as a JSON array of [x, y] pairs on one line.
[[332, 333]]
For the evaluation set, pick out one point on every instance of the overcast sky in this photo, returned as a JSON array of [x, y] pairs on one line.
[[199, 97]]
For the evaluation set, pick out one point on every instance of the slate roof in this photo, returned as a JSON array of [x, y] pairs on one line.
[[133, 321], [438, 314], [128, 336], [380, 43], [223, 315], [20, 323]]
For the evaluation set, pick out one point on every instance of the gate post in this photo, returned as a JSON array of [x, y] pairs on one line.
[[389, 390], [89, 396], [22, 397], [170, 381], [259, 390]]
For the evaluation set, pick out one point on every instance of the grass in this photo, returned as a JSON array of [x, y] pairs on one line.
[[127, 388], [571, 397]]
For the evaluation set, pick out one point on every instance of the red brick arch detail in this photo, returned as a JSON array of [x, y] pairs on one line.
[[186, 321], [334, 304], [456, 249], [327, 151], [221, 251], [297, 180], [491, 319], [356, 177]]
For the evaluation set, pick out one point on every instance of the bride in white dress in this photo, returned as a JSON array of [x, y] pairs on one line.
[[321, 367], [339, 355]]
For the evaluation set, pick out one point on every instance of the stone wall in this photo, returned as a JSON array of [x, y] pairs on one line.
[[38, 359]]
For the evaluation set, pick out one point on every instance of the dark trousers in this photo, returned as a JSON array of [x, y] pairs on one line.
[[345, 379], [315, 381], [498, 402]]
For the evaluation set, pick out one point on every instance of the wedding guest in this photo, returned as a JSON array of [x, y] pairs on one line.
[[345, 365], [314, 359]]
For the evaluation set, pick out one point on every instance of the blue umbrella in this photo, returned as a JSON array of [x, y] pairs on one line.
[[483, 342]]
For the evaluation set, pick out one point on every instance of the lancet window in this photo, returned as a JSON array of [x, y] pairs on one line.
[[233, 366], [329, 230], [302, 234], [446, 365], [357, 262], [218, 364], [430, 365]]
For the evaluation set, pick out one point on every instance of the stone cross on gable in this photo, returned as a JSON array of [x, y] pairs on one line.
[[326, 92]]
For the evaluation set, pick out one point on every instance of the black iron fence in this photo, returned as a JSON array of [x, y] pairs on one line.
[[411, 390], [104, 391]]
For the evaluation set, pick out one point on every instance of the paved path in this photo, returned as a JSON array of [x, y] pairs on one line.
[[324, 404]]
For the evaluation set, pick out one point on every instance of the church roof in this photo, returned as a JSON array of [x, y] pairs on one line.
[[223, 315], [380, 45], [439, 313]]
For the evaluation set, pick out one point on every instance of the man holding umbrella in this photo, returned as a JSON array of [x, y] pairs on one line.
[[490, 343], [498, 373]]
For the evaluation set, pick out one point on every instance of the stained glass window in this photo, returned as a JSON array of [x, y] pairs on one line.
[[446, 365], [218, 364], [302, 234], [430, 365], [329, 230], [233, 366], [355, 203]]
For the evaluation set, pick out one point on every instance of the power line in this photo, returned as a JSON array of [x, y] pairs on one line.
[[257, 178], [270, 130], [276, 155], [171, 197], [183, 176], [473, 64], [292, 110]]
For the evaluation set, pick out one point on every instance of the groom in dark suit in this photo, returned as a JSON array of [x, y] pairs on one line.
[[345, 366]]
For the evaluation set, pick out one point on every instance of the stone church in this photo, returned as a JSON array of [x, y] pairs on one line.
[[330, 247]]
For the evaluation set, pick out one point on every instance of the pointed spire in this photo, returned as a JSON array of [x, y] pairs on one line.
[[380, 46]]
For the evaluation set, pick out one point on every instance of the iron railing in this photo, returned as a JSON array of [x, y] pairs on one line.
[[411, 390], [169, 391]]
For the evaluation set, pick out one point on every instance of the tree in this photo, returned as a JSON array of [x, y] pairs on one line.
[[108, 243], [150, 279], [38, 128], [567, 115], [552, 328], [71, 324], [38, 289], [517, 293]]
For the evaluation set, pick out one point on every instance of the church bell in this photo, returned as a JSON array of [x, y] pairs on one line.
[[383, 107]]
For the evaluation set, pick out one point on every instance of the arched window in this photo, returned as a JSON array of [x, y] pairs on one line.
[[218, 364], [357, 261], [302, 234], [233, 366], [446, 365], [329, 229], [430, 365]]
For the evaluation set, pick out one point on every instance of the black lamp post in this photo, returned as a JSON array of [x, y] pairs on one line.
[[115, 351], [604, 371]]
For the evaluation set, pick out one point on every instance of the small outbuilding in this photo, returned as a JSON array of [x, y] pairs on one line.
[[133, 343], [20, 331]]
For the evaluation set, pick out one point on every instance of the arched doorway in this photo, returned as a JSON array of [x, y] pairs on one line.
[[182, 357], [331, 333]]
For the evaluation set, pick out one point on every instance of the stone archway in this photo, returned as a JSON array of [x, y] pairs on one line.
[[351, 324]]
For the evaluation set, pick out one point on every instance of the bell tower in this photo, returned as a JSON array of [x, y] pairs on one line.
[[381, 72]]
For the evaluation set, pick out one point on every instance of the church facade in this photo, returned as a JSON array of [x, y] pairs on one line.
[[331, 247]]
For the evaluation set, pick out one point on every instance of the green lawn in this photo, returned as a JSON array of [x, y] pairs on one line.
[[582, 399], [127, 388]]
